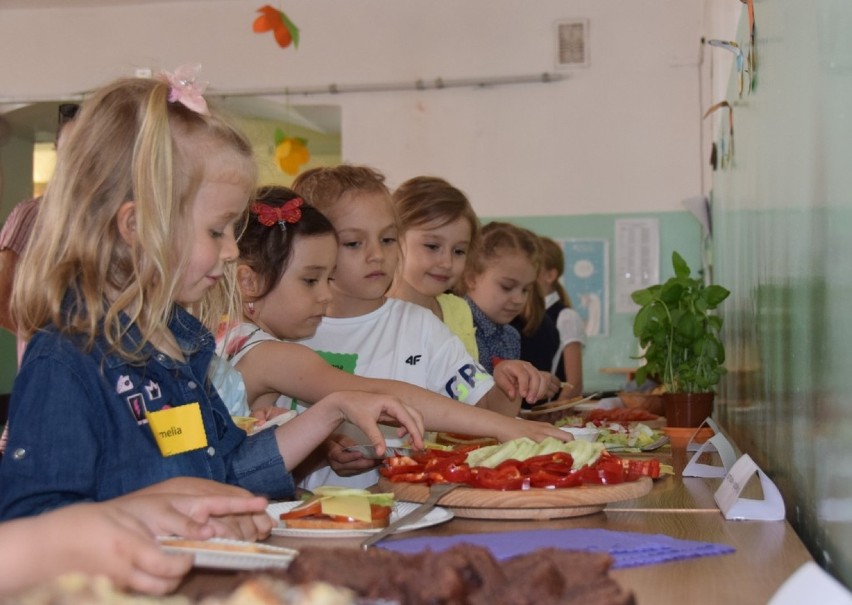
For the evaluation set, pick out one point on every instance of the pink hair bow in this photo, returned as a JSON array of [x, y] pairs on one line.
[[186, 90], [267, 215]]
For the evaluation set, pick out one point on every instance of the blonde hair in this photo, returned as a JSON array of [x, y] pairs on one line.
[[553, 258], [78, 273], [326, 187], [498, 238], [429, 200]]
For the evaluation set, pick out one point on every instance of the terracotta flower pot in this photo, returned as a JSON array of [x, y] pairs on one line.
[[687, 409]]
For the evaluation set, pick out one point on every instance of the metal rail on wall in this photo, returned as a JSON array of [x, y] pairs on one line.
[[334, 88]]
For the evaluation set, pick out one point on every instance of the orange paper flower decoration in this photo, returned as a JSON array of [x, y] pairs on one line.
[[279, 24], [291, 154]]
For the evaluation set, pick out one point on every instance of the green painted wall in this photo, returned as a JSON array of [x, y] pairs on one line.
[[678, 231]]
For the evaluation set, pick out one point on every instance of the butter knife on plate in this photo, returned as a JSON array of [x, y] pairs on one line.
[[436, 492]]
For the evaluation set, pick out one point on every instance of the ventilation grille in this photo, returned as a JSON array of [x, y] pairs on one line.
[[572, 43]]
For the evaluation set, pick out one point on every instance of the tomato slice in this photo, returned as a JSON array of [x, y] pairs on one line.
[[309, 508]]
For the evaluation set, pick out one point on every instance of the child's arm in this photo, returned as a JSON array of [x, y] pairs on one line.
[[299, 437], [309, 378], [250, 522], [514, 380], [115, 538]]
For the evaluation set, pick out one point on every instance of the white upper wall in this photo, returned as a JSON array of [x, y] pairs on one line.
[[622, 135]]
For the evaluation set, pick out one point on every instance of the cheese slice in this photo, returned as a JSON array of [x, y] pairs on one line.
[[357, 507]]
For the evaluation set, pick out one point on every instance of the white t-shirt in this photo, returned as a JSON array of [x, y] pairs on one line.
[[398, 341], [570, 325]]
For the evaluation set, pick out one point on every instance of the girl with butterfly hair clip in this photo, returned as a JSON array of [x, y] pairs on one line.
[[288, 257], [130, 267]]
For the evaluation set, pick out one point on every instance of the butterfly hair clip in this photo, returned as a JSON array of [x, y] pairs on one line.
[[185, 89], [268, 215]]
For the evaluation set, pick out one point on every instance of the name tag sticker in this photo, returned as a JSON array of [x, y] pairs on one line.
[[179, 429]]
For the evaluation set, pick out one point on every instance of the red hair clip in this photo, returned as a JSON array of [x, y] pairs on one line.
[[268, 215]]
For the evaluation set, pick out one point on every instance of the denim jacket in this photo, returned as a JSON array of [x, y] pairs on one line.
[[78, 429]]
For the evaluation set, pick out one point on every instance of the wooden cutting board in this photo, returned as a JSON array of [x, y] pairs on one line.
[[534, 503]]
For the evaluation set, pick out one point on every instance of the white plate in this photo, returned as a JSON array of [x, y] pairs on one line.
[[220, 553], [433, 517]]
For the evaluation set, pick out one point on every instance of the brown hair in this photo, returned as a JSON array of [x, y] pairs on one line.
[[499, 237], [267, 250], [326, 187], [429, 200], [553, 258]]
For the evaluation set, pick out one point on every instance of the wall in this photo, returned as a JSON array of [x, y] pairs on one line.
[[619, 136], [783, 216]]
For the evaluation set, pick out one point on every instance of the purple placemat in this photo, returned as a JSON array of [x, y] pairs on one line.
[[628, 549]]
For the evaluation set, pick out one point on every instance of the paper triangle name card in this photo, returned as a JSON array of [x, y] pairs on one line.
[[717, 443], [692, 445], [727, 497]]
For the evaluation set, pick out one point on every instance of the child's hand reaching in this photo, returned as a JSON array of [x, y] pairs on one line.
[[206, 506], [521, 379], [117, 538], [347, 464], [367, 410], [298, 438], [554, 385]]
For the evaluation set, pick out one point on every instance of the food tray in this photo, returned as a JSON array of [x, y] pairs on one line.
[[534, 503]]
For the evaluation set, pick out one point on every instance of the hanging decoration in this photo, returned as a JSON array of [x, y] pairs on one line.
[[722, 154], [274, 20], [291, 153]]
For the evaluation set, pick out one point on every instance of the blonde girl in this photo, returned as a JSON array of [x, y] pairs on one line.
[[568, 361], [137, 229], [285, 277], [437, 229]]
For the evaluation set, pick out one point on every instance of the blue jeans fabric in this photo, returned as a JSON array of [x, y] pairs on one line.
[[78, 431]]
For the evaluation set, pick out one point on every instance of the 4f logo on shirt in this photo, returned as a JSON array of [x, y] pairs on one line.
[[413, 359]]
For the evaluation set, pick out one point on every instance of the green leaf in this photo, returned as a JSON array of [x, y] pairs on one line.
[[642, 297], [279, 136], [681, 269], [714, 295]]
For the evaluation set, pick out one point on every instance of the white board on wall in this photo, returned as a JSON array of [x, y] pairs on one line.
[[637, 259]]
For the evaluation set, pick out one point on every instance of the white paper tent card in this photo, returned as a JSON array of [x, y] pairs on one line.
[[692, 445], [811, 584], [719, 443], [727, 496]]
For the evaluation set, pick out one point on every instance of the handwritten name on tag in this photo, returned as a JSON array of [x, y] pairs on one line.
[[179, 429]]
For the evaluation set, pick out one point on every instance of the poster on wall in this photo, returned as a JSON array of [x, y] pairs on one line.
[[637, 259], [585, 279]]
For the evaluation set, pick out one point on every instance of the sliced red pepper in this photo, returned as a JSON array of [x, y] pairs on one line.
[[641, 468], [548, 479], [309, 508], [409, 478], [509, 478]]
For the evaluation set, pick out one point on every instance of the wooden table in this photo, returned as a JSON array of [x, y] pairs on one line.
[[767, 553]]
